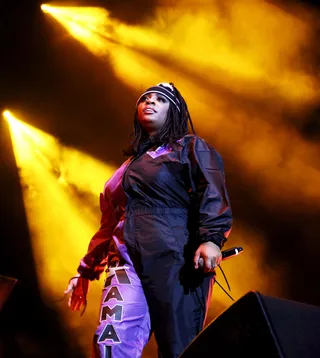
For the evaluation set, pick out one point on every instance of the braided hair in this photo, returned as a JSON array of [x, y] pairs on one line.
[[174, 128]]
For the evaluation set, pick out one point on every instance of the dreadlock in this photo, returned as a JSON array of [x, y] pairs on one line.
[[174, 128]]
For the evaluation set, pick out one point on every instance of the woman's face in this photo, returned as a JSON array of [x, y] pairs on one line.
[[152, 112]]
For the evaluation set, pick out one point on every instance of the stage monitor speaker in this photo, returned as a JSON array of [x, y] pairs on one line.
[[260, 326], [6, 286]]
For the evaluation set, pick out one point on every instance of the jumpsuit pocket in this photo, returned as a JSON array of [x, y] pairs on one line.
[[178, 227]]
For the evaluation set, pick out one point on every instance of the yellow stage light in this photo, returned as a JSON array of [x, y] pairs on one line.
[[60, 187], [201, 41], [6, 114], [89, 25], [45, 8]]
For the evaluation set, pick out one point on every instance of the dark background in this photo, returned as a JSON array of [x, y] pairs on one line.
[[33, 80]]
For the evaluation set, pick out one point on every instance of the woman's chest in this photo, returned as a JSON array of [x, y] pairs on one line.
[[161, 169]]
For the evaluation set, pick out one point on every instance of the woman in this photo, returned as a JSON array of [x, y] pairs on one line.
[[167, 207]]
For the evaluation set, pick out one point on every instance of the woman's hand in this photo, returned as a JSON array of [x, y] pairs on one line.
[[210, 254], [78, 287]]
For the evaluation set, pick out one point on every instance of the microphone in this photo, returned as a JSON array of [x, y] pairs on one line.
[[234, 251], [226, 254]]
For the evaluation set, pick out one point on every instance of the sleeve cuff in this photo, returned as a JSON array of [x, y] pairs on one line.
[[218, 238], [88, 274]]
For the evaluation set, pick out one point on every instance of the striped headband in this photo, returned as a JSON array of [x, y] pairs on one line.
[[164, 89]]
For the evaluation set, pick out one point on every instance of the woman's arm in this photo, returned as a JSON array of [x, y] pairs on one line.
[[101, 250], [213, 210], [101, 246]]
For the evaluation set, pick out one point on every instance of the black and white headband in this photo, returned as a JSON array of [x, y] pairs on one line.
[[165, 89]]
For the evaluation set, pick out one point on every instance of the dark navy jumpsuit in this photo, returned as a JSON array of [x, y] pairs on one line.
[[171, 200]]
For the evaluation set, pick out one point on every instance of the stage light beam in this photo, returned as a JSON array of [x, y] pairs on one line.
[[248, 62], [62, 209], [89, 25]]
